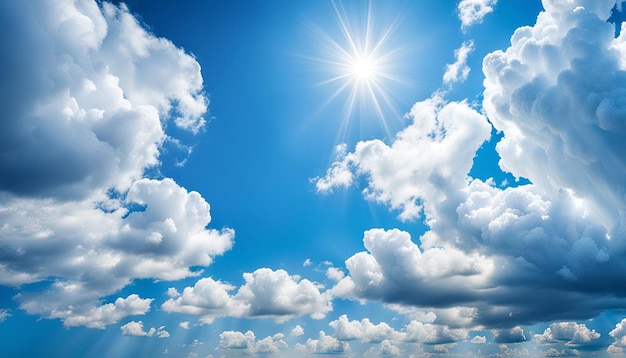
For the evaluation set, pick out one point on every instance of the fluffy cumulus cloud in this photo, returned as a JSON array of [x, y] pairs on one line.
[[297, 331], [570, 332], [363, 330], [459, 70], [265, 294], [233, 341], [414, 332], [473, 11], [513, 335], [558, 80], [553, 352], [323, 345], [334, 273], [619, 334], [427, 159], [385, 349], [92, 316], [135, 328], [517, 255], [247, 343], [429, 333], [87, 95]]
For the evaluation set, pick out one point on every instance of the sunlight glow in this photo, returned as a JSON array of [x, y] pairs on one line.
[[363, 68], [360, 63]]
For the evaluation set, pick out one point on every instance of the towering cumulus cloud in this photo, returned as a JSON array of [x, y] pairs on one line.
[[85, 97], [553, 249], [558, 95]]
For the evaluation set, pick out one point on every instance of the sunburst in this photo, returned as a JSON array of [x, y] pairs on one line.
[[360, 62]]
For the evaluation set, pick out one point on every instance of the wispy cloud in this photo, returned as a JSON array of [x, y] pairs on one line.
[[459, 70]]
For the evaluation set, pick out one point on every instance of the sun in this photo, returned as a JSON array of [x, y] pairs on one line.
[[363, 68], [360, 63]]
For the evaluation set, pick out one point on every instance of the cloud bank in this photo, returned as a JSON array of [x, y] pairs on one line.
[[86, 103]]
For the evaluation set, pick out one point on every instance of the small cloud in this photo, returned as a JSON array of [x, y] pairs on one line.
[[335, 274], [473, 11], [247, 343], [297, 331], [323, 345], [184, 325], [572, 332], [364, 330], [459, 70], [307, 263], [513, 335], [135, 328], [172, 292], [4, 314], [479, 340]]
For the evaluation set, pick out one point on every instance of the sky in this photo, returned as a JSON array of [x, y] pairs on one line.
[[239, 178]]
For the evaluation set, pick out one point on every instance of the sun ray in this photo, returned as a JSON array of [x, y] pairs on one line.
[[361, 63]]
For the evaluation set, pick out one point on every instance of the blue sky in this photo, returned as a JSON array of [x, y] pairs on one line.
[[301, 178]]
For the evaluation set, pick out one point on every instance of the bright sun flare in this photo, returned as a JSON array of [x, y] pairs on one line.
[[359, 61], [363, 68]]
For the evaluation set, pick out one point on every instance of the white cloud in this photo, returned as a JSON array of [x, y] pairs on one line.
[[479, 340], [619, 333], [558, 80], [385, 349], [571, 332], [364, 330], [414, 332], [93, 316], [265, 294], [473, 11], [338, 175], [459, 70], [432, 334], [207, 297], [247, 342], [553, 352], [84, 97], [393, 261], [135, 328], [512, 335], [85, 119], [430, 157], [268, 293], [297, 331], [184, 325], [4, 314], [506, 351], [237, 340], [323, 345], [335, 274]]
